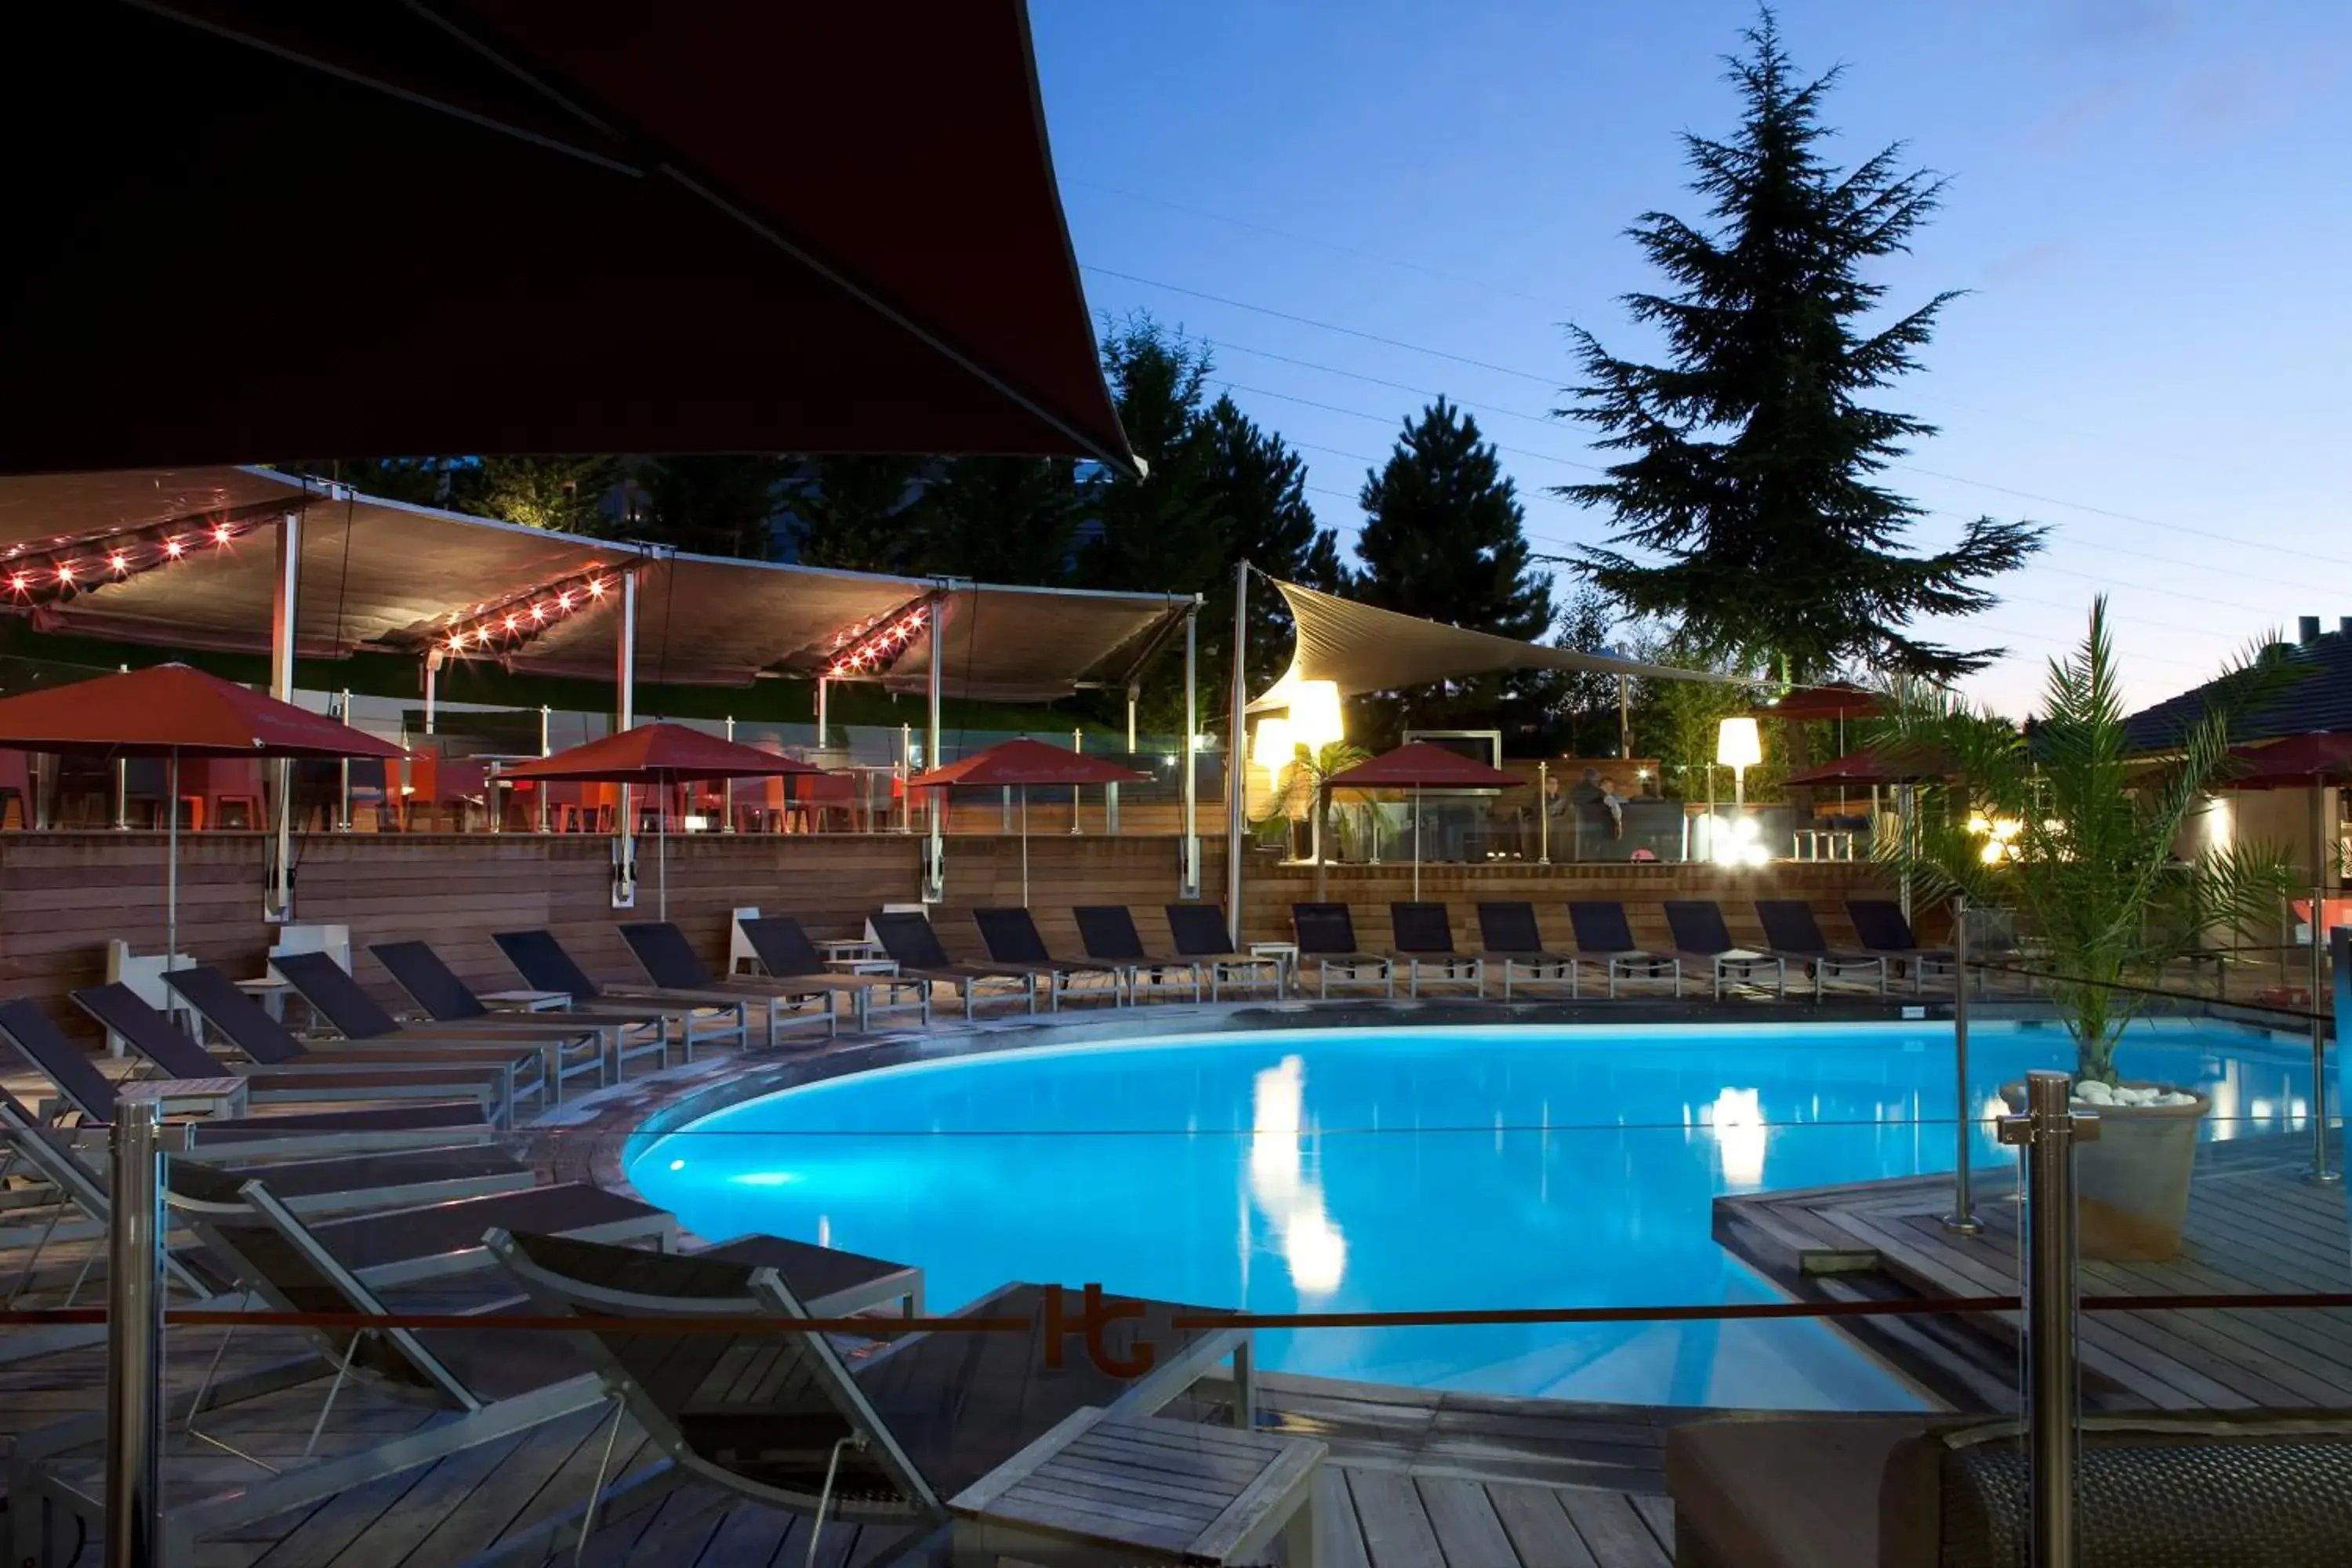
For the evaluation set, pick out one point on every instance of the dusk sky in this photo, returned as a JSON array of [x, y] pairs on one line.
[[2148, 205]]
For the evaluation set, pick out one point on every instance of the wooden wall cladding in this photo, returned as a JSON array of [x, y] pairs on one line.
[[64, 895]]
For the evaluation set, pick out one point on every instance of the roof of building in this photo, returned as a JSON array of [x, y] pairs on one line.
[[2319, 702]]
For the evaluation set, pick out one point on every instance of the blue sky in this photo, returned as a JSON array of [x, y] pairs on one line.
[[2148, 202]]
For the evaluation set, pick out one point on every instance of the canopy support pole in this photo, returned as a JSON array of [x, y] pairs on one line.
[[1188, 877], [1237, 738], [625, 676], [726, 791], [935, 871], [1624, 718], [824, 691], [546, 814], [343, 770], [1078, 792], [278, 900]]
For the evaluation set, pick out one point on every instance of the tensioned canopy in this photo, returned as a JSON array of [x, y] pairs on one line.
[[1363, 649], [249, 230], [382, 577]]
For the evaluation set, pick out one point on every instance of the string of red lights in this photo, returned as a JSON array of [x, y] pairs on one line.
[[507, 625], [47, 573], [876, 650]]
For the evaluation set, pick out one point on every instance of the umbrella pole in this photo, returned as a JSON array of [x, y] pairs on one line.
[[1416, 844], [1025, 847], [2319, 1168], [171, 865], [661, 850]]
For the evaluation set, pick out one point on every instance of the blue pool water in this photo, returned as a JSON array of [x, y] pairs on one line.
[[1402, 1169]]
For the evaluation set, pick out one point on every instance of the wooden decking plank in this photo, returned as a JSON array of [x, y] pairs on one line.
[[1658, 1514], [1614, 1530], [1339, 1533], [1464, 1522], [491, 1508], [1538, 1527], [1396, 1528], [747, 1537]]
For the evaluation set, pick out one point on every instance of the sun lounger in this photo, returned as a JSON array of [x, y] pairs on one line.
[[1605, 937], [921, 1432], [911, 943], [1424, 936], [1107, 933], [671, 963], [566, 1048], [1883, 928], [1509, 937], [785, 952], [1791, 932], [700, 1019], [500, 1078], [92, 1095], [1326, 939], [1011, 936], [496, 1083], [626, 1035], [494, 1383], [1701, 937], [1200, 934]]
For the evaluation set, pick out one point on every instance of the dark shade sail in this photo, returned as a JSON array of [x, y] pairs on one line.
[[249, 230], [2297, 762]]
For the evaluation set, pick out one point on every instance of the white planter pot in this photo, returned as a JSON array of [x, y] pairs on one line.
[[2131, 1182]]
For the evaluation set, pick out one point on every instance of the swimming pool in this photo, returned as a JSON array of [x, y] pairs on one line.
[[1402, 1169]]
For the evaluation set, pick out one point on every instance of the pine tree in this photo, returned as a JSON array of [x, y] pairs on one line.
[[567, 494], [999, 519], [850, 512], [1443, 540], [1259, 489], [1751, 463], [1162, 532], [718, 505]]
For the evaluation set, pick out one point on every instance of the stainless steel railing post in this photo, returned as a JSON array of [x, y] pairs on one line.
[[2320, 1168], [2048, 1133], [134, 1340], [1963, 1219]]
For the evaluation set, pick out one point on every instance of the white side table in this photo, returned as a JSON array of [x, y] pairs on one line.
[[1286, 957]]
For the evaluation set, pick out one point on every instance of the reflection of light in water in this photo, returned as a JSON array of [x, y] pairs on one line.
[[1313, 1247], [825, 1231], [1737, 1118], [2261, 1110], [766, 1179], [2224, 1115]]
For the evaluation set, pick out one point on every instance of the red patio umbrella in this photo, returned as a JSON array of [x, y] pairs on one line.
[[1837, 700], [664, 756], [1018, 765], [1417, 765], [1872, 766], [166, 710], [2298, 762]]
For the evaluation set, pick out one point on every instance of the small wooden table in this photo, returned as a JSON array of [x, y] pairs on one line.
[[1140, 1488], [270, 991], [846, 948]]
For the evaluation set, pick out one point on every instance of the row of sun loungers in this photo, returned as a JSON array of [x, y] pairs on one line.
[[1511, 945]]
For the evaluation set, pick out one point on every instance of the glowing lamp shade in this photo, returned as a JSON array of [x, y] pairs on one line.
[[1272, 748], [1738, 744], [1315, 721]]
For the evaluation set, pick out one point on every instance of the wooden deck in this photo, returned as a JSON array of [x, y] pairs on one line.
[[2255, 1226]]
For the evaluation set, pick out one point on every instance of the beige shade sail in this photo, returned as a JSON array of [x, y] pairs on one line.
[[379, 575], [1360, 648]]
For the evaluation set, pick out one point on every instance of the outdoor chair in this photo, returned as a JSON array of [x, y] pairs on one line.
[[1107, 933], [625, 1036], [92, 1095], [494, 1385], [671, 963], [785, 951], [1424, 936], [313, 1081], [1200, 934], [1792, 932], [1509, 937], [1701, 937], [267, 1042], [911, 943], [1605, 937], [1327, 937], [1011, 936], [698, 1016], [1883, 928], [941, 1432], [564, 1048]]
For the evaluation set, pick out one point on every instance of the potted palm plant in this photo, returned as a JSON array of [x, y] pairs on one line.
[[1303, 790], [2087, 844]]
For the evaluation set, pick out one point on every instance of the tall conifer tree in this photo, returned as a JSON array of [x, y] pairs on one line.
[[1747, 494]]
